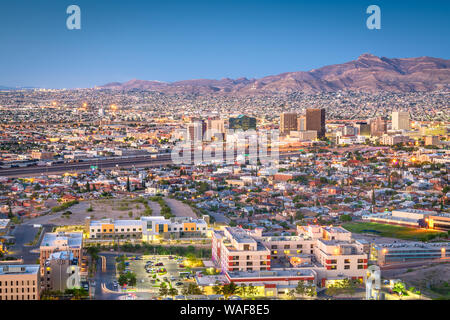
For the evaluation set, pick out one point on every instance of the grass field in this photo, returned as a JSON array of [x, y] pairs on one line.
[[392, 231]]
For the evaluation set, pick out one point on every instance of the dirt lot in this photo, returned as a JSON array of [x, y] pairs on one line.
[[179, 208], [106, 208]]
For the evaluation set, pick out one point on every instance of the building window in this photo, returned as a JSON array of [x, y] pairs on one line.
[[360, 266], [346, 267]]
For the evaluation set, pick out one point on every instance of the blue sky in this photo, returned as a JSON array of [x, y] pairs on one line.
[[172, 40]]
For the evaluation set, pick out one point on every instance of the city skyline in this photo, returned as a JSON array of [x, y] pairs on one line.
[[265, 151]]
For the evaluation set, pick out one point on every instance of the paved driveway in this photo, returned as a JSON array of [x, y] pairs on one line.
[[24, 234]]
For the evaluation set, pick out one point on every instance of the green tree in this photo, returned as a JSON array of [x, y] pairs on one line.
[[163, 291], [128, 184], [230, 289], [345, 217], [122, 280], [400, 289], [172, 292], [251, 290]]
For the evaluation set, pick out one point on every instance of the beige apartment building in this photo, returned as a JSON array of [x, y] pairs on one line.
[[19, 282]]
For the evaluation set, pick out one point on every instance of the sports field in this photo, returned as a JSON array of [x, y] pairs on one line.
[[392, 231]]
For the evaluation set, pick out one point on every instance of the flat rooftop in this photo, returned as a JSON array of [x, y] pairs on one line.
[[63, 255], [335, 229], [98, 223], [4, 223], [240, 235], [414, 245], [284, 238], [211, 280], [274, 273], [19, 269], [74, 239]]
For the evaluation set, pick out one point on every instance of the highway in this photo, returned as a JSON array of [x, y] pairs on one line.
[[72, 167]]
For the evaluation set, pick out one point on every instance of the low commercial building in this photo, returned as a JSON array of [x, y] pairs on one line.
[[19, 282], [439, 221], [274, 282], [409, 252], [407, 217], [112, 229], [174, 228], [393, 140], [147, 228], [432, 140]]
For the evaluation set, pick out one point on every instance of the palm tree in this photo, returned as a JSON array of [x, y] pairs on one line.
[[229, 289], [291, 294], [172, 292], [163, 291], [217, 289], [251, 290], [301, 288], [242, 289]]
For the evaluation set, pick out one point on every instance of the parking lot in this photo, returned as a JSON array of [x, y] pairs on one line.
[[160, 269]]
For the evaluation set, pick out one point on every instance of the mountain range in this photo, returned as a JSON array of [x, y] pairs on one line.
[[368, 73]]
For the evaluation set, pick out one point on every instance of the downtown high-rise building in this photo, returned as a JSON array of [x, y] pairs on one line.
[[315, 120], [288, 122], [301, 123], [363, 128], [196, 130], [215, 128], [378, 127], [400, 120]]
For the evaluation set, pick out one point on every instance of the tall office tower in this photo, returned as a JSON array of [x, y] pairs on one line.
[[400, 120], [349, 130], [363, 128], [315, 120], [301, 123], [378, 127], [215, 128], [196, 130], [288, 122]]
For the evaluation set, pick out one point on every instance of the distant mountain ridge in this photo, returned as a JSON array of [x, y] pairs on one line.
[[368, 73]]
